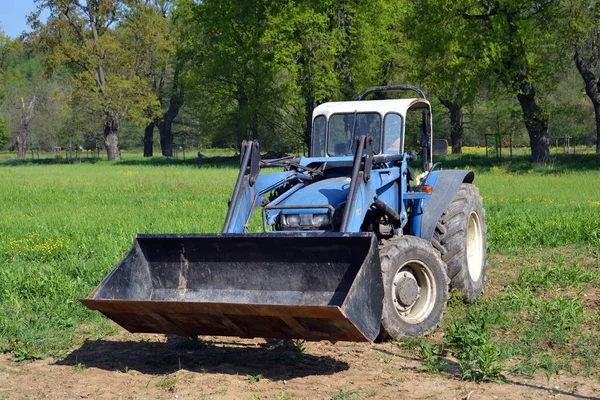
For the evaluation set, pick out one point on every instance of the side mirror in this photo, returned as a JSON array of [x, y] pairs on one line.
[[440, 147]]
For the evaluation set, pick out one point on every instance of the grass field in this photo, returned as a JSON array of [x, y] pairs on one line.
[[64, 226]]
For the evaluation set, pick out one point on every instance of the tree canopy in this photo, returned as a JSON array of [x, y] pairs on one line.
[[212, 73]]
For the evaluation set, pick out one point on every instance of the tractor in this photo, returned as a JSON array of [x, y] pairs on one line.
[[356, 246]]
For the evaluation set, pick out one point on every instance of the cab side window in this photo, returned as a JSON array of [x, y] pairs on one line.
[[392, 134], [318, 145]]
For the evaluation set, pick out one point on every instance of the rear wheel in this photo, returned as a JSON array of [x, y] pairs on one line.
[[460, 237], [415, 287]]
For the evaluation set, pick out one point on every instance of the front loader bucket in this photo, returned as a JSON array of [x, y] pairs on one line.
[[314, 287]]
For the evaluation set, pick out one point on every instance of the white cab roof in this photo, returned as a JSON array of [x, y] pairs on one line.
[[399, 106]]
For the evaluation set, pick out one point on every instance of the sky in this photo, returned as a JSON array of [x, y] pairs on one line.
[[13, 16]]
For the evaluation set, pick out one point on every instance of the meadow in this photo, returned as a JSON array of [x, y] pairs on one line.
[[64, 226]]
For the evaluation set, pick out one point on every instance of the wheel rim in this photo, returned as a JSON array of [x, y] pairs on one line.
[[420, 305], [474, 246]]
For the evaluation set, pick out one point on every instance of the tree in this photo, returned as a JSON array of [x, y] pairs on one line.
[[151, 32], [305, 51], [444, 59], [25, 91], [236, 86], [105, 65], [521, 40], [332, 50], [584, 23], [371, 36], [4, 132]]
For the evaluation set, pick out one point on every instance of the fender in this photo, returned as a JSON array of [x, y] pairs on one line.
[[445, 186]]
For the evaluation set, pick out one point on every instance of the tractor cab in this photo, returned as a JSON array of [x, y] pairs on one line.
[[397, 126], [337, 124]]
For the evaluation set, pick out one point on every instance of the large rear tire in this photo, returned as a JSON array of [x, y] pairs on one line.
[[460, 237], [415, 287]]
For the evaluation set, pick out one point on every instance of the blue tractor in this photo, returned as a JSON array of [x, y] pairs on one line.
[[356, 246]]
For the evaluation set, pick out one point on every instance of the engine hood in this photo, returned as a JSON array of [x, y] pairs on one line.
[[332, 191]]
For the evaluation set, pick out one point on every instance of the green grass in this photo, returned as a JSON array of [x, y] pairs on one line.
[[532, 211], [63, 227], [542, 314]]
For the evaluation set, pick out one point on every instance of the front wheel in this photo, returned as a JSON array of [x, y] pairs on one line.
[[415, 287]]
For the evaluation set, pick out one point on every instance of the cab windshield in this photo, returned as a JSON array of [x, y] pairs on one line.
[[343, 128]]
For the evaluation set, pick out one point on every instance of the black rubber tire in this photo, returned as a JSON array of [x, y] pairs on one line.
[[412, 253], [451, 240]]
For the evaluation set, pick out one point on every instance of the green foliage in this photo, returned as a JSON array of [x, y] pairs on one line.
[[167, 383], [239, 91], [109, 54], [445, 58], [344, 394], [257, 70], [4, 132], [478, 356], [21, 351], [254, 378], [262, 75], [299, 345], [79, 366], [282, 396], [433, 358]]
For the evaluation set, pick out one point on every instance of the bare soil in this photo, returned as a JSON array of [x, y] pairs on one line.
[[162, 367], [126, 366]]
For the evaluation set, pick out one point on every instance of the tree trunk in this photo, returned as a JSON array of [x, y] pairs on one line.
[[254, 126], [111, 139], [517, 76], [456, 124], [165, 125], [149, 140], [587, 70], [242, 102], [536, 122], [597, 114], [26, 117], [22, 142], [309, 106]]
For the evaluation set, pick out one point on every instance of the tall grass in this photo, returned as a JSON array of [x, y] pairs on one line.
[[531, 210], [63, 227]]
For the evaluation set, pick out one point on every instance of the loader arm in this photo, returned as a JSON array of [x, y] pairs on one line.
[[250, 190]]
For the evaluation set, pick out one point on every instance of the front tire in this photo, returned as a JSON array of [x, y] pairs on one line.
[[415, 287], [460, 237]]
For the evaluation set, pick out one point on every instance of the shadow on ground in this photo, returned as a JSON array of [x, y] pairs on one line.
[[479, 162], [234, 358], [215, 162], [552, 392], [522, 163]]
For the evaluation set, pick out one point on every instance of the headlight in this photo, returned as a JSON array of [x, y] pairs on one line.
[[320, 219], [305, 221], [292, 220]]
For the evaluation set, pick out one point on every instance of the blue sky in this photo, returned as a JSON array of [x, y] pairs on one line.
[[13, 16]]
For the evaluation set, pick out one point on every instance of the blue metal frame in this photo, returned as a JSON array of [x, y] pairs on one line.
[[383, 179]]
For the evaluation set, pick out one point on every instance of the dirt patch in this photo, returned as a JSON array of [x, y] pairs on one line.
[[159, 367], [591, 297], [126, 366]]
